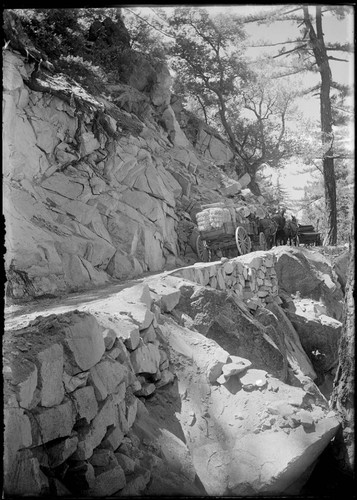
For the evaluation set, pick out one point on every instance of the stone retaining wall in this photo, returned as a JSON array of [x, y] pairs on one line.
[[252, 277], [73, 384]]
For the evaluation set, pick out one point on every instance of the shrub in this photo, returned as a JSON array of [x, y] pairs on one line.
[[91, 77]]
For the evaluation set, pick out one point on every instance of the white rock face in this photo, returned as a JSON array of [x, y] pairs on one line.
[[106, 377], [283, 457], [81, 207], [213, 148], [81, 213], [145, 359]]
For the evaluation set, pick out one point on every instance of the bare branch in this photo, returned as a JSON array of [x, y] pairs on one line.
[[317, 166], [331, 58], [290, 11], [147, 22]]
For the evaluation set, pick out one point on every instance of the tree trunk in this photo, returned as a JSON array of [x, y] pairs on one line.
[[320, 53], [342, 398], [226, 126], [253, 185]]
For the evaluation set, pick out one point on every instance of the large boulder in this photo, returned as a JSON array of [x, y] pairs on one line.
[[294, 272], [309, 274], [228, 322], [297, 358], [340, 267], [251, 434]]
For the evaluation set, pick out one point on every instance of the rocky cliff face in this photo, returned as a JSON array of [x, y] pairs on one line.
[[94, 187]]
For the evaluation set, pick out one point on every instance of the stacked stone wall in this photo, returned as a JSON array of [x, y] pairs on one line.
[[74, 385], [251, 277]]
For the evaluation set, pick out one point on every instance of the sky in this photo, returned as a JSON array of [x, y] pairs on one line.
[[334, 31]]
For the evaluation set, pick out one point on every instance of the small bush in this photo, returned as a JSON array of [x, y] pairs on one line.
[[91, 77]]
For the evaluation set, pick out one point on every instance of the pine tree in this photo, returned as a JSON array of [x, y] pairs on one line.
[[310, 52]]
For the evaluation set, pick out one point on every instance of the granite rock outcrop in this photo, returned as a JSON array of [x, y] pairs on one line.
[[93, 186], [124, 394]]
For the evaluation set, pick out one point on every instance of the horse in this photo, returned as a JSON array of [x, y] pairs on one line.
[[291, 231], [268, 227], [280, 236]]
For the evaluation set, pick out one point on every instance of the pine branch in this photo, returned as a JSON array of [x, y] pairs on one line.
[[341, 157], [300, 47], [277, 43], [347, 111], [295, 72], [306, 204], [340, 87], [346, 47]]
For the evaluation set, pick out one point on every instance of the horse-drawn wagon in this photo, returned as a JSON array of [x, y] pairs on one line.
[[306, 235], [225, 228]]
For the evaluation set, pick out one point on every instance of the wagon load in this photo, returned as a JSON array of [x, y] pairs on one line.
[[213, 218]]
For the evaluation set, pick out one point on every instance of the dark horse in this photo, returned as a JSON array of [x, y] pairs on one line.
[[268, 227], [291, 231], [280, 236]]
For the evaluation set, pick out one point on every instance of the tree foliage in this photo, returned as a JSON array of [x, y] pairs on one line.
[[214, 76], [310, 52], [275, 195], [66, 36], [313, 205], [207, 55], [265, 123]]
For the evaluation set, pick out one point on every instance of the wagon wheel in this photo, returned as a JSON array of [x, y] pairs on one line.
[[244, 244], [202, 250], [262, 241]]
